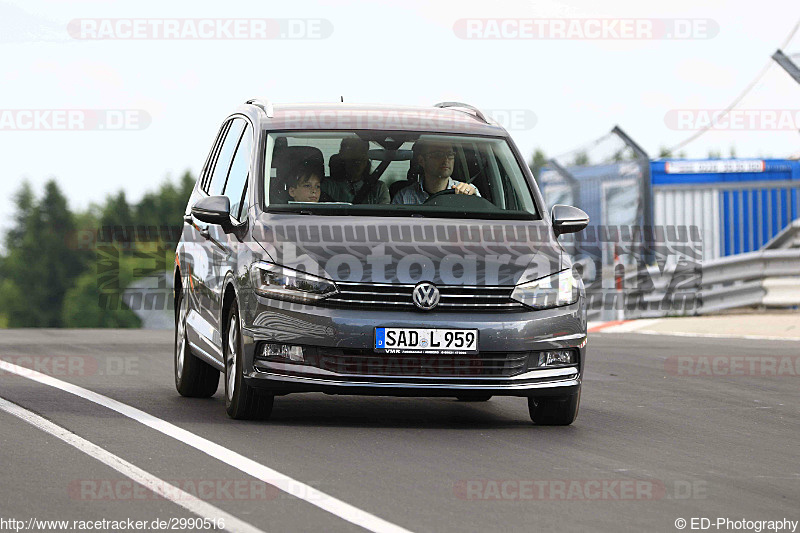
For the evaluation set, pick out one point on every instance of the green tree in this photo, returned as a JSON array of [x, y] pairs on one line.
[[116, 211], [581, 159], [186, 186], [42, 260], [538, 161], [165, 207], [25, 202], [83, 306], [12, 303], [49, 271]]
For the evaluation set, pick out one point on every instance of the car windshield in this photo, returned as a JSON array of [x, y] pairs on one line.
[[396, 174]]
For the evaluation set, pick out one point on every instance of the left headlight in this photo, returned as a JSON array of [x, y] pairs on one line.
[[555, 290], [275, 281]]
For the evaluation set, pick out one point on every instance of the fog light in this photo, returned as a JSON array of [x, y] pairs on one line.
[[556, 358], [284, 351]]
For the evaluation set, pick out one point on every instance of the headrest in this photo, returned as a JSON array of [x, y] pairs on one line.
[[414, 170], [336, 166], [286, 157]]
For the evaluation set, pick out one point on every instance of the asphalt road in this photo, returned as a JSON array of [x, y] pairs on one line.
[[650, 444]]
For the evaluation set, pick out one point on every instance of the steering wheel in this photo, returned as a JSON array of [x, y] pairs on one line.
[[438, 194]]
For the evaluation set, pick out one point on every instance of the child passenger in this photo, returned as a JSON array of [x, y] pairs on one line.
[[304, 184]]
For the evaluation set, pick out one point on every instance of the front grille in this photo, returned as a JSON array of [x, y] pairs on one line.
[[398, 297], [366, 362]]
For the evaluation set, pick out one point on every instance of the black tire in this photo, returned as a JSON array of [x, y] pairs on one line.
[[474, 397], [554, 410], [194, 377], [244, 402]]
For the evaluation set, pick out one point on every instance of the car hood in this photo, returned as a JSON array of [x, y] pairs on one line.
[[410, 250]]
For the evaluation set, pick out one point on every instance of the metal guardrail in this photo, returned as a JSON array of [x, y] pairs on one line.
[[789, 237], [150, 298], [768, 277], [750, 266]]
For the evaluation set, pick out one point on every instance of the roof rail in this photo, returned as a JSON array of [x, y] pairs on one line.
[[465, 106], [266, 105]]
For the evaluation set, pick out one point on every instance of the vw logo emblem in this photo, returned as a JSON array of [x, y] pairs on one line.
[[426, 296]]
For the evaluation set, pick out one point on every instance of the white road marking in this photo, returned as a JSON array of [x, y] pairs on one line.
[[281, 481], [717, 335], [188, 501]]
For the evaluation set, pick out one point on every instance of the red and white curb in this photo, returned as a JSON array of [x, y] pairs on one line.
[[621, 326], [640, 325]]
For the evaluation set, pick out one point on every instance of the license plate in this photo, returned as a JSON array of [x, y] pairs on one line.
[[424, 340]]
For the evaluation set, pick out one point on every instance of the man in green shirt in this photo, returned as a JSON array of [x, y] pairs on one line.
[[353, 156]]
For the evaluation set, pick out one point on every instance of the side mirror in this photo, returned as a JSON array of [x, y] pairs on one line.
[[214, 210], [567, 219]]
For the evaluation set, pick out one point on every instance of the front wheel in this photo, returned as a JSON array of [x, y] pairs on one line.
[[242, 401], [554, 410], [193, 377]]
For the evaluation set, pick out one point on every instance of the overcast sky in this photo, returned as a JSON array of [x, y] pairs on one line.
[[376, 52]]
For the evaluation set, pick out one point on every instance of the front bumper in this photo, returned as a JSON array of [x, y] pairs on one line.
[[560, 381], [298, 324]]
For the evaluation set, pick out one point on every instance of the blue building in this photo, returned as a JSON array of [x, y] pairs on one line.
[[738, 204]]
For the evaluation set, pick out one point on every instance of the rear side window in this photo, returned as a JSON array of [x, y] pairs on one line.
[[236, 187], [208, 168], [223, 162]]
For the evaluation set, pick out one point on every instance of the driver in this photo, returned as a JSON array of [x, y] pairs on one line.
[[436, 159]]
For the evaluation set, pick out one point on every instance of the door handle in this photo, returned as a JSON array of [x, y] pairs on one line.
[[204, 233]]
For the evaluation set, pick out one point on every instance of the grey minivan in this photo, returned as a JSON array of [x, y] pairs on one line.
[[381, 250]]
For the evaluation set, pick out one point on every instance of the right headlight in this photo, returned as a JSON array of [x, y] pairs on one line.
[[555, 290], [275, 281]]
